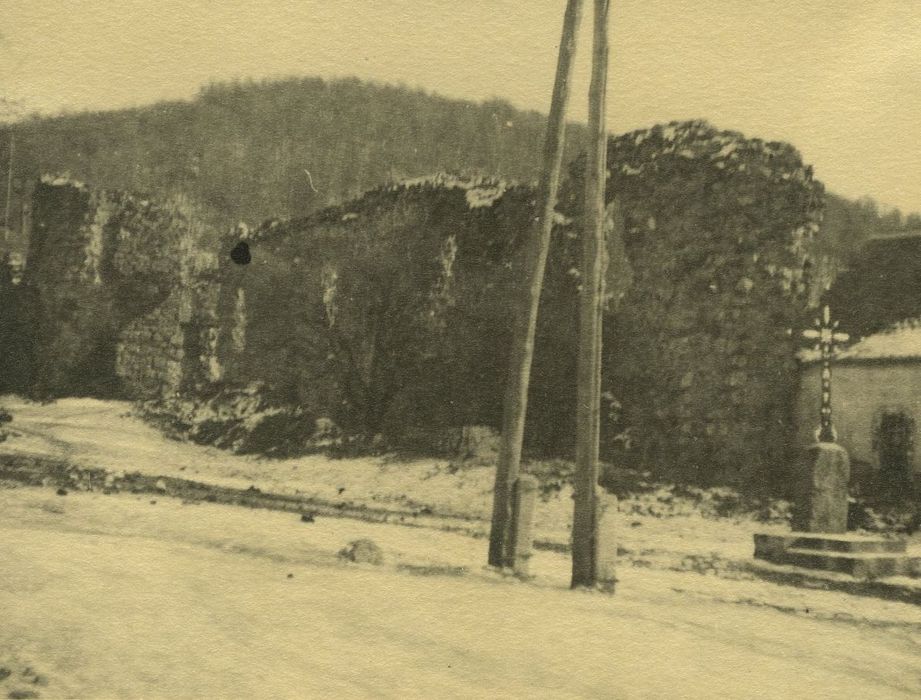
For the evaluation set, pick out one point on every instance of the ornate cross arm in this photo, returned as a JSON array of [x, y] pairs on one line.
[[826, 337]]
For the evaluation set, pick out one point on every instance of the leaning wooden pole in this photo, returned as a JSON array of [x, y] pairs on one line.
[[585, 527], [535, 260]]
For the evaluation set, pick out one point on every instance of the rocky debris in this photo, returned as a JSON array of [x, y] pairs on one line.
[[711, 565], [901, 516], [5, 417], [52, 507], [363, 551], [109, 484], [31, 675], [21, 683], [22, 694], [239, 419]]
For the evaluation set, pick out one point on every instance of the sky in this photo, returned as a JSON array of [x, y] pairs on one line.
[[839, 79]]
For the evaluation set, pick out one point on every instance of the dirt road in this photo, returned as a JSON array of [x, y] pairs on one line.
[[116, 596]]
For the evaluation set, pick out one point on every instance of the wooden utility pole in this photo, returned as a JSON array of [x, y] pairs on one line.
[[535, 260], [585, 525]]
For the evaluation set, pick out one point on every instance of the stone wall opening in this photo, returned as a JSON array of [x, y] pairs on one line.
[[95, 375], [895, 447]]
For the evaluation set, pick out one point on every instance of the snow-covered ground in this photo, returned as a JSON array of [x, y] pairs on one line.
[[116, 596], [104, 434], [127, 595]]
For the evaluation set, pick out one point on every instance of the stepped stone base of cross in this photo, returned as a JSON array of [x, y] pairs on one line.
[[819, 539]]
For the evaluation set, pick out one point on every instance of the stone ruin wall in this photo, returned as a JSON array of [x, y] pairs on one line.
[[719, 231], [150, 353], [155, 356], [69, 310], [190, 329], [174, 349], [123, 289]]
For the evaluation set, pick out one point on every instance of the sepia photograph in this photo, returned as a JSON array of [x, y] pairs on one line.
[[460, 349]]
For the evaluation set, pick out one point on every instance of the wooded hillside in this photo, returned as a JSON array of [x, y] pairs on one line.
[[243, 151]]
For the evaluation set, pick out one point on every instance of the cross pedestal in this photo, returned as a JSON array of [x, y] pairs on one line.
[[824, 469], [823, 473], [820, 539]]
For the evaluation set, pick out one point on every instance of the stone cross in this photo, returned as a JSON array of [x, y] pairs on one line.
[[825, 338]]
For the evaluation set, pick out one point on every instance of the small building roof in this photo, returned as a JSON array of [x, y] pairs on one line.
[[900, 342]]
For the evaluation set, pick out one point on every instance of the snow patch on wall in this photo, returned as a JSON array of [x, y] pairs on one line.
[[480, 191], [902, 341]]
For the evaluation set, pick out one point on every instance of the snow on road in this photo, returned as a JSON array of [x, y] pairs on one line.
[[104, 434], [119, 596], [144, 596]]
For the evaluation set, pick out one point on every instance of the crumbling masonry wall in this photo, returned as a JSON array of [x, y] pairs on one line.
[[360, 312], [115, 285], [71, 312], [718, 230], [390, 315]]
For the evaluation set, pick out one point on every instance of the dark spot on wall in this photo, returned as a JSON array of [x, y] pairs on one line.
[[240, 253]]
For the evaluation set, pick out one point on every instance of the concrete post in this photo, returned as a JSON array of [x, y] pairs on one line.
[[522, 536], [605, 540]]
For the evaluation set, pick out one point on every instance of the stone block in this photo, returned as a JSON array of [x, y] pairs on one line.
[[363, 551], [821, 498], [770, 545], [858, 565], [857, 555]]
